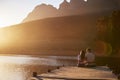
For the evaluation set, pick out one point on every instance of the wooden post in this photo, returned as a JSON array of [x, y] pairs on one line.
[[49, 70], [58, 67], [34, 74]]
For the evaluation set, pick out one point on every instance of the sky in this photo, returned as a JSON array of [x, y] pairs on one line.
[[14, 11]]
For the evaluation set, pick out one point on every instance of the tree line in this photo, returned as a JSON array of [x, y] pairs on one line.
[[108, 31]]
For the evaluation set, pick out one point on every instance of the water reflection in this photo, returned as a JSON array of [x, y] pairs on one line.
[[21, 67], [26, 60]]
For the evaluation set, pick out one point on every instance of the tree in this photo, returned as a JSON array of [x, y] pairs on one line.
[[108, 28]]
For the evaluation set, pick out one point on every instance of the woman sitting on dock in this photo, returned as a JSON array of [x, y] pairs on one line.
[[81, 59]]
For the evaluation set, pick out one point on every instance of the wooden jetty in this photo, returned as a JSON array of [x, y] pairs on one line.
[[78, 73]]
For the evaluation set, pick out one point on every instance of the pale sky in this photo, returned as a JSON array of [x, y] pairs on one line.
[[14, 11]]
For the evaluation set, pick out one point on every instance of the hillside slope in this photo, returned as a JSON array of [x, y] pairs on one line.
[[51, 36]]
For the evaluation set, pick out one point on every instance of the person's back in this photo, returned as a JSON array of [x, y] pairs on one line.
[[90, 57]]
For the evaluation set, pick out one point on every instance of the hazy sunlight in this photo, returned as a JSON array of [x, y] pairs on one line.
[[13, 13], [85, 0], [6, 22], [4, 38]]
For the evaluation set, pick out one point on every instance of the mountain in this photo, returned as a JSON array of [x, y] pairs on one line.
[[51, 36], [75, 7]]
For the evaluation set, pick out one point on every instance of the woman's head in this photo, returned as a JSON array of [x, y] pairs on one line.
[[82, 54]]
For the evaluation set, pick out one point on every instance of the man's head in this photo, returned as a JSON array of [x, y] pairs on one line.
[[88, 50]]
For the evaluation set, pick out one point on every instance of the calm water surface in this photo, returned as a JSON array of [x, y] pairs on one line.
[[21, 67]]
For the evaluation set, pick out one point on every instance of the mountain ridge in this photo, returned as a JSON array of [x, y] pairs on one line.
[[75, 7]]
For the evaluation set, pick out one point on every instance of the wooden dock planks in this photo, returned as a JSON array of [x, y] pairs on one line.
[[79, 73]]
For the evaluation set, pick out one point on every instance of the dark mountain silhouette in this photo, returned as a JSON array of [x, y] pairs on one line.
[[53, 36], [75, 7]]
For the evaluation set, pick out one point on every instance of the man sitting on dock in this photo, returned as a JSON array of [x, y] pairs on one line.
[[90, 58]]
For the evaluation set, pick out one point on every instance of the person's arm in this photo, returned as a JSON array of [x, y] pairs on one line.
[[85, 61]]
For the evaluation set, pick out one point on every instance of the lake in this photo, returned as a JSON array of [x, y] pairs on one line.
[[21, 67]]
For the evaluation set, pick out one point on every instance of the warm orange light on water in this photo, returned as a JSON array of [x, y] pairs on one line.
[[11, 69]]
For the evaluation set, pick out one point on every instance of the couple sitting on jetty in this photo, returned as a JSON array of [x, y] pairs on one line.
[[86, 59]]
